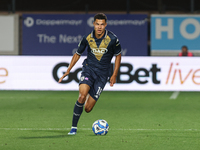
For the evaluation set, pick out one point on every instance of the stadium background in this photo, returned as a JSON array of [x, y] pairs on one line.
[[154, 104], [152, 29]]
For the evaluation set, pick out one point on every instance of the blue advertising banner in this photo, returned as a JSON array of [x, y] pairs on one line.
[[51, 34], [60, 34], [131, 31], [171, 32]]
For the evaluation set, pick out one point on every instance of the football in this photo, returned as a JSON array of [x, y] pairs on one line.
[[100, 127]]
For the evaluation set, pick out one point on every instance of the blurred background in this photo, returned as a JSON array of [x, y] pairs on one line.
[[154, 104], [84, 6], [126, 7], [150, 29]]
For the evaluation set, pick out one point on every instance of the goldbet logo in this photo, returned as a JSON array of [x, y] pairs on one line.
[[139, 75], [191, 74], [3, 74]]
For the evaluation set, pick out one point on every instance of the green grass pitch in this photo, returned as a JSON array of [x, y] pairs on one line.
[[40, 120]]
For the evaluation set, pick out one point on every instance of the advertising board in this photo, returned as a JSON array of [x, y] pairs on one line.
[[60, 34], [171, 32], [135, 73]]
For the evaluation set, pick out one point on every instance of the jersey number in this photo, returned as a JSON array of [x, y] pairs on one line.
[[99, 91]]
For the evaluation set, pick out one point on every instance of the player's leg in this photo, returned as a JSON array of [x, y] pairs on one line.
[[78, 107], [89, 104], [86, 81], [83, 93], [94, 93]]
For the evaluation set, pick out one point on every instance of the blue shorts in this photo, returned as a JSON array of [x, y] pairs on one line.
[[96, 82]]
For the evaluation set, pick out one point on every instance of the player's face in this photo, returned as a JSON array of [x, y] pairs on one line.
[[99, 27]]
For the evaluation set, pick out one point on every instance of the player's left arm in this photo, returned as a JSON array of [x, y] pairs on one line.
[[117, 53], [116, 69]]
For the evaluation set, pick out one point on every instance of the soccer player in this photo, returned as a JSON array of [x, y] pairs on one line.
[[102, 46]]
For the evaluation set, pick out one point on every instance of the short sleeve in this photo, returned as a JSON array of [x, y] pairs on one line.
[[81, 46], [117, 47]]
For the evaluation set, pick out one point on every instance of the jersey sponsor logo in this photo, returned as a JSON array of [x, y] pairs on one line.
[[99, 51], [102, 49]]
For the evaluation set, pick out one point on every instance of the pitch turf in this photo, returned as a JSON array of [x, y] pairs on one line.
[[40, 120]]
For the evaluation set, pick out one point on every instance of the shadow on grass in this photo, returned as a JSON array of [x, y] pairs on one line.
[[53, 131], [64, 134], [45, 137]]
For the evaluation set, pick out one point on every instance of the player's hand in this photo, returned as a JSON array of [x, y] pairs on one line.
[[60, 80], [112, 80]]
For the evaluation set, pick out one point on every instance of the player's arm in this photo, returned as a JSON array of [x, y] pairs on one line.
[[117, 53], [116, 69], [75, 58]]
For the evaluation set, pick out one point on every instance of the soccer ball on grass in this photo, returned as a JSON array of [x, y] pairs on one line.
[[100, 127]]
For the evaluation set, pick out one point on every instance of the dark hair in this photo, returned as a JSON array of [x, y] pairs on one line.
[[100, 16], [184, 47]]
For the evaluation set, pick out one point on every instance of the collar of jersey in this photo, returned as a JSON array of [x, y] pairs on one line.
[[92, 34]]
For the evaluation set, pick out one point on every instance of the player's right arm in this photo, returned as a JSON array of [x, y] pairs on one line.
[[75, 58]]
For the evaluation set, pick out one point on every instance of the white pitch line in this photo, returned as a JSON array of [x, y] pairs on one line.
[[47, 129], [174, 95]]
